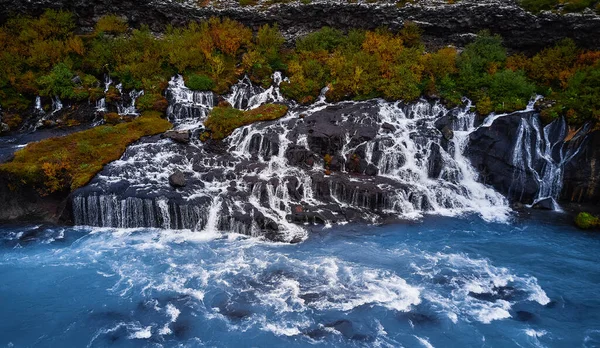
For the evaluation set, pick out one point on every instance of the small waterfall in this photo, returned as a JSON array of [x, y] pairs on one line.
[[56, 105], [540, 152], [246, 96], [187, 108], [101, 105], [38, 105], [107, 82], [130, 109]]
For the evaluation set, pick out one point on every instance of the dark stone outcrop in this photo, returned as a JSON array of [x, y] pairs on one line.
[[23, 203], [582, 174], [491, 150], [182, 137], [442, 23]]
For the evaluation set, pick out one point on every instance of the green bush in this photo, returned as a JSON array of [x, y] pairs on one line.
[[199, 82], [58, 82]]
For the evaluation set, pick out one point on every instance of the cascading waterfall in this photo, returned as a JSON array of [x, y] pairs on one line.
[[324, 163], [540, 152], [187, 108]]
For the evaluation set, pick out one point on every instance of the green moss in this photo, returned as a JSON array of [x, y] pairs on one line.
[[587, 221], [223, 120], [69, 162]]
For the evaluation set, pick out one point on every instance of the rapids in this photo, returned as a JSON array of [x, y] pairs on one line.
[[443, 282]]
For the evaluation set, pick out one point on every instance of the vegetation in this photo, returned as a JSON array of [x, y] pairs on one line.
[[587, 221], [67, 163], [44, 56], [223, 120]]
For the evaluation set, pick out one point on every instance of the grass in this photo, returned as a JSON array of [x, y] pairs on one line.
[[66, 163], [223, 120]]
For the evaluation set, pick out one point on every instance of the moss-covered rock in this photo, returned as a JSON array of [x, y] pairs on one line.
[[223, 120], [66, 163], [587, 221]]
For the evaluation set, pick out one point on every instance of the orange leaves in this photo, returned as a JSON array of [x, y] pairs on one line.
[[229, 35]]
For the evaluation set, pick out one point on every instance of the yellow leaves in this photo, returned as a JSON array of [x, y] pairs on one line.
[[217, 65], [75, 44], [440, 63]]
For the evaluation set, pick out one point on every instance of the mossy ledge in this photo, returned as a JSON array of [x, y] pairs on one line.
[[223, 120], [63, 164]]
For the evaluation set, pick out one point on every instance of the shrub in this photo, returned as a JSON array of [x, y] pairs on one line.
[[58, 82], [152, 101], [112, 118], [199, 82], [326, 39], [586, 221], [223, 120]]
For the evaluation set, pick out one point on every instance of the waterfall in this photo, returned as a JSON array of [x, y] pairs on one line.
[[101, 105], [323, 163], [124, 109], [187, 109], [38, 105], [107, 82], [540, 152], [56, 105]]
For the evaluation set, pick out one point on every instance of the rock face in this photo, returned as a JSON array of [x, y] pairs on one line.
[[533, 164], [582, 173], [25, 204], [442, 23]]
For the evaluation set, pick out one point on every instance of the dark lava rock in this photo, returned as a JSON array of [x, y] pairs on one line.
[[182, 137], [490, 151], [581, 180], [177, 179]]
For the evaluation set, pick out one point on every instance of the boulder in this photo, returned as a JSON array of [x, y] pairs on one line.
[[177, 179], [544, 204], [182, 137]]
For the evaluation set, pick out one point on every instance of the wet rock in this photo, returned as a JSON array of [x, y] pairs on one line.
[[544, 204], [177, 179], [182, 137], [491, 149], [448, 133], [581, 179]]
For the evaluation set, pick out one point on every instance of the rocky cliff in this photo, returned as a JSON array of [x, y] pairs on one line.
[[442, 23]]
